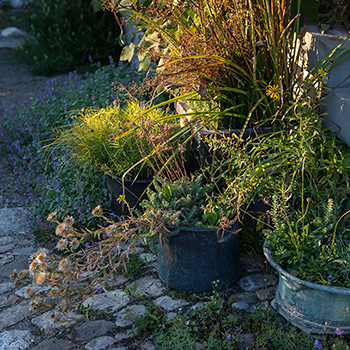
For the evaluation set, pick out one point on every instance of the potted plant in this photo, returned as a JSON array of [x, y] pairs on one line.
[[196, 234], [129, 145], [309, 249]]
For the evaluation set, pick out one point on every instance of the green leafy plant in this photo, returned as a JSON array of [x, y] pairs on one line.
[[186, 202], [64, 34], [311, 243]]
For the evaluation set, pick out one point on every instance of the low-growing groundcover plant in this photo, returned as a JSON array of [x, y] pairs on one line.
[[50, 180]]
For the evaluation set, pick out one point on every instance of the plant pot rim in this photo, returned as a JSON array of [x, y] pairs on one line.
[[128, 180], [329, 289]]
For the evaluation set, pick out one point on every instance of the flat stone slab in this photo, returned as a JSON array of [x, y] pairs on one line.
[[258, 281], [10, 263], [92, 329], [54, 344], [11, 222], [240, 305], [248, 297], [15, 314], [123, 335], [48, 323], [6, 287], [110, 301], [16, 340], [148, 345], [7, 300], [266, 293], [149, 286], [36, 289], [6, 259], [6, 248], [6, 240], [25, 251], [128, 315], [169, 304], [100, 343]]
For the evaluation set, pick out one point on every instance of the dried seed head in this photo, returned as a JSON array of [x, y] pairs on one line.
[[52, 216], [61, 244], [63, 264], [74, 243], [110, 230], [69, 220], [61, 229], [97, 211], [29, 291], [40, 279], [22, 274]]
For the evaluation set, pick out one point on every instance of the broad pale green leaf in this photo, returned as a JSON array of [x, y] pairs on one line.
[[127, 53], [144, 65]]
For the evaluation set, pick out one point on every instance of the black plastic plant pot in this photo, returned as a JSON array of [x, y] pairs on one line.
[[196, 260], [134, 192]]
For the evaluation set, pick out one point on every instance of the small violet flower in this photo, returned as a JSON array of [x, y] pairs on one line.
[[57, 200], [338, 331], [330, 278], [57, 190], [99, 290], [228, 337], [317, 345]]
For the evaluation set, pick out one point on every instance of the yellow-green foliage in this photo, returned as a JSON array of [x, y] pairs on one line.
[[119, 140]]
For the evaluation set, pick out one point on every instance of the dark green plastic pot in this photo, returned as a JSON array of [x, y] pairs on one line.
[[195, 258], [311, 307], [134, 191]]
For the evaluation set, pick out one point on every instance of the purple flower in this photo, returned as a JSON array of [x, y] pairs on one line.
[[18, 211], [317, 345], [57, 200], [330, 278], [228, 337], [58, 191], [99, 290], [338, 331], [7, 200], [87, 244]]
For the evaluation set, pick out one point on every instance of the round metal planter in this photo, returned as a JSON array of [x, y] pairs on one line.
[[195, 258], [311, 307]]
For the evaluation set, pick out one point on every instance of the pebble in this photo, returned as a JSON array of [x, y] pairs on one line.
[[169, 304], [110, 301], [128, 315], [54, 344], [100, 343], [92, 329], [254, 282]]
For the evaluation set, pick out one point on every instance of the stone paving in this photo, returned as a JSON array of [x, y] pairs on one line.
[[23, 328]]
